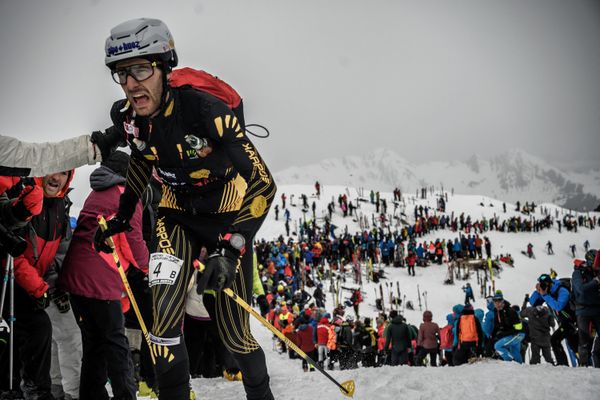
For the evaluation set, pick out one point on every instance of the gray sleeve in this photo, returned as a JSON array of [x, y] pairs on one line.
[[46, 158]]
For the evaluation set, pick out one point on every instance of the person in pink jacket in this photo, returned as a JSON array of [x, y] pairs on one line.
[[96, 288], [428, 340]]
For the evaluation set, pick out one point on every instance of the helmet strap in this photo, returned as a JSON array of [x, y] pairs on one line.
[[165, 88]]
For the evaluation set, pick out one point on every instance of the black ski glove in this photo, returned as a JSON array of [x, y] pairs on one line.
[[115, 225], [138, 281], [107, 141], [61, 299], [219, 270], [42, 302]]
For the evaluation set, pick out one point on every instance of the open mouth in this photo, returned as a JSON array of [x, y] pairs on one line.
[[141, 99], [53, 186]]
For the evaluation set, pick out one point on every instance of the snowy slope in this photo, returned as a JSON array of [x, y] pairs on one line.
[[493, 379], [511, 176]]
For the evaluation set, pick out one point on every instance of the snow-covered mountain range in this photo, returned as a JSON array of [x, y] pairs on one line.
[[510, 176]]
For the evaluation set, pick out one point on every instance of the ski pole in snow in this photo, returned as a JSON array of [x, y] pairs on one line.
[[419, 294], [347, 387], [103, 226]]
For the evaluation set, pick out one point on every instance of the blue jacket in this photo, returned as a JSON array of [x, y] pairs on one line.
[[308, 256], [586, 291], [279, 260], [456, 247], [385, 251], [488, 320], [556, 291], [471, 243], [479, 315], [420, 251], [457, 310]]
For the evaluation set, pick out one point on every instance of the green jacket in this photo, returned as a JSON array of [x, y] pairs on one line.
[[398, 334], [257, 287]]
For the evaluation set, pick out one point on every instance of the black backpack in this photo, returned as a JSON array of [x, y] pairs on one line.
[[567, 314]]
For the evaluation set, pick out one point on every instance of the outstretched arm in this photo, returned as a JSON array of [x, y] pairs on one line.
[[40, 159]]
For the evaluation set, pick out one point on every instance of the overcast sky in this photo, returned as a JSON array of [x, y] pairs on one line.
[[432, 80]]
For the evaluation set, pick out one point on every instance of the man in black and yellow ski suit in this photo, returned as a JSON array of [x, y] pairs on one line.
[[215, 187]]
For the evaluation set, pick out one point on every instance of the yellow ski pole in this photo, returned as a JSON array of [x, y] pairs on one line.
[[103, 226], [347, 387]]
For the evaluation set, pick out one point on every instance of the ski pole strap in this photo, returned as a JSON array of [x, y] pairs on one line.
[[264, 136]]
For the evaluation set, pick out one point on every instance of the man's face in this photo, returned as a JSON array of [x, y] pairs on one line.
[[53, 184], [498, 304], [144, 96]]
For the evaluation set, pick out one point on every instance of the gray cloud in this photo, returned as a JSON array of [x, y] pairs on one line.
[[430, 79]]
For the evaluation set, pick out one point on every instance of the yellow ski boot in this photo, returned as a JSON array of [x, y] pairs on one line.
[[192, 393], [232, 377], [146, 391]]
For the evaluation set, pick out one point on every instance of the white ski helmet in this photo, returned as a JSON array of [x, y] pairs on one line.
[[140, 37]]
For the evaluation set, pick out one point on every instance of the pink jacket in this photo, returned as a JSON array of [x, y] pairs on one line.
[[87, 273]]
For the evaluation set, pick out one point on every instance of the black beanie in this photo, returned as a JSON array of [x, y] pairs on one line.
[[117, 162]]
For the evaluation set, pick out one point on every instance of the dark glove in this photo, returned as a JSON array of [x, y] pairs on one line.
[[107, 141], [61, 299], [138, 281], [42, 302], [29, 203], [115, 225], [219, 270]]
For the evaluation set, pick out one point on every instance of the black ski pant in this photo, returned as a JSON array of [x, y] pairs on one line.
[[106, 353], [535, 354], [423, 352], [179, 238], [399, 357], [564, 331], [448, 357], [585, 324], [464, 351], [32, 348]]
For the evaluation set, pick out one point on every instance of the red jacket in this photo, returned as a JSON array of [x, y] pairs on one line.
[[380, 337], [44, 236], [323, 331], [90, 274], [305, 338]]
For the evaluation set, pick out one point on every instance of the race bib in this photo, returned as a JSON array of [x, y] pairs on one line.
[[163, 269]]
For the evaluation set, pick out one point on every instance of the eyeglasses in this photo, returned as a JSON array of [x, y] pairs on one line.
[[139, 72]]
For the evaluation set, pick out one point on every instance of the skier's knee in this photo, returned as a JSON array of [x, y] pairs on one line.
[[171, 360]]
